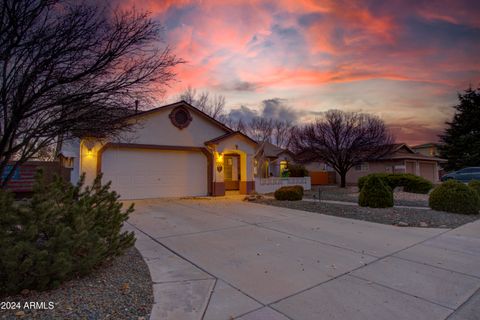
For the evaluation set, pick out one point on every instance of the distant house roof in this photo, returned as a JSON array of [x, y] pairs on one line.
[[67, 154], [228, 135], [398, 146], [399, 151], [410, 154], [426, 145], [269, 150]]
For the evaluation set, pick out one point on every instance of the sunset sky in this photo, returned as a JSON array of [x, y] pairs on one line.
[[402, 60]]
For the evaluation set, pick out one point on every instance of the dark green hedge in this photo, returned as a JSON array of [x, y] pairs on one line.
[[64, 231], [291, 193], [475, 185], [297, 170], [456, 197], [375, 193], [409, 182]]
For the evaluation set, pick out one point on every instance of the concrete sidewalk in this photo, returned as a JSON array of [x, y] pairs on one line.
[[227, 259]]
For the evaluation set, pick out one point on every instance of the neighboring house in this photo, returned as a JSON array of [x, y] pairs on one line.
[[173, 151], [271, 161], [270, 164], [427, 149], [402, 159]]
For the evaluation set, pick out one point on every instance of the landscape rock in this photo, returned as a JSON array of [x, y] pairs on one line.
[[253, 196], [402, 224]]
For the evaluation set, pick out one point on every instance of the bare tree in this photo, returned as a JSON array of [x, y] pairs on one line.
[[281, 133], [71, 69], [236, 125], [260, 129], [342, 140], [213, 106]]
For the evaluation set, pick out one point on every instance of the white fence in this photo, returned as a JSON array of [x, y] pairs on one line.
[[267, 185]]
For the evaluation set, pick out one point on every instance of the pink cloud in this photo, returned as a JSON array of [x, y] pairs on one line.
[[264, 45]]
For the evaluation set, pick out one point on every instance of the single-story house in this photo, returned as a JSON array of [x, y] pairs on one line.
[[173, 151], [271, 161], [402, 159]]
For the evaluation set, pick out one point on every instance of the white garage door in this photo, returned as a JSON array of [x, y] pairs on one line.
[[140, 174]]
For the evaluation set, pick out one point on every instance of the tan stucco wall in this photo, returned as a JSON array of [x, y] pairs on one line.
[[238, 145], [373, 167], [428, 151], [88, 160], [388, 167], [156, 128]]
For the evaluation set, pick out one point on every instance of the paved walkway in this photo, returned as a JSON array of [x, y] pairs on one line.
[[227, 259]]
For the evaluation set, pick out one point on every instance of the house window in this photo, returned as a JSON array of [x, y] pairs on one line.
[[283, 166], [363, 167], [180, 117]]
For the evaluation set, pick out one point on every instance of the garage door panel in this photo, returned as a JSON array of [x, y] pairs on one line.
[[138, 174], [427, 171]]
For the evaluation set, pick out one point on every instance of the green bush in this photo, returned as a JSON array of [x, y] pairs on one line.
[[362, 180], [291, 193], [62, 232], [409, 182], [297, 170], [375, 194], [299, 189], [475, 185], [456, 197]]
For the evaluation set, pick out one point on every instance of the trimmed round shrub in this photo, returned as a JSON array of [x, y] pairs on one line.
[[64, 231], [290, 193], [412, 183], [299, 189], [362, 180], [409, 182], [375, 194], [456, 197], [475, 185]]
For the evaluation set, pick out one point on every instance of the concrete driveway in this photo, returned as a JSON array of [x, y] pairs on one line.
[[227, 259]]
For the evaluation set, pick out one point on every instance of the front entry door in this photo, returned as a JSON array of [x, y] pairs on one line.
[[232, 172]]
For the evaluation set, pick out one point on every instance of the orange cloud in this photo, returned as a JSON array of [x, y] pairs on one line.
[[250, 49]]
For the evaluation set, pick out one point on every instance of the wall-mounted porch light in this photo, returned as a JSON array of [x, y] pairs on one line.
[[219, 161], [89, 144]]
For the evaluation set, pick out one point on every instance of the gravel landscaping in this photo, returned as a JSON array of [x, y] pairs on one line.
[[122, 289], [394, 216], [350, 194]]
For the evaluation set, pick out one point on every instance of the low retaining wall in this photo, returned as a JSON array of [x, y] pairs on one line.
[[268, 185]]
